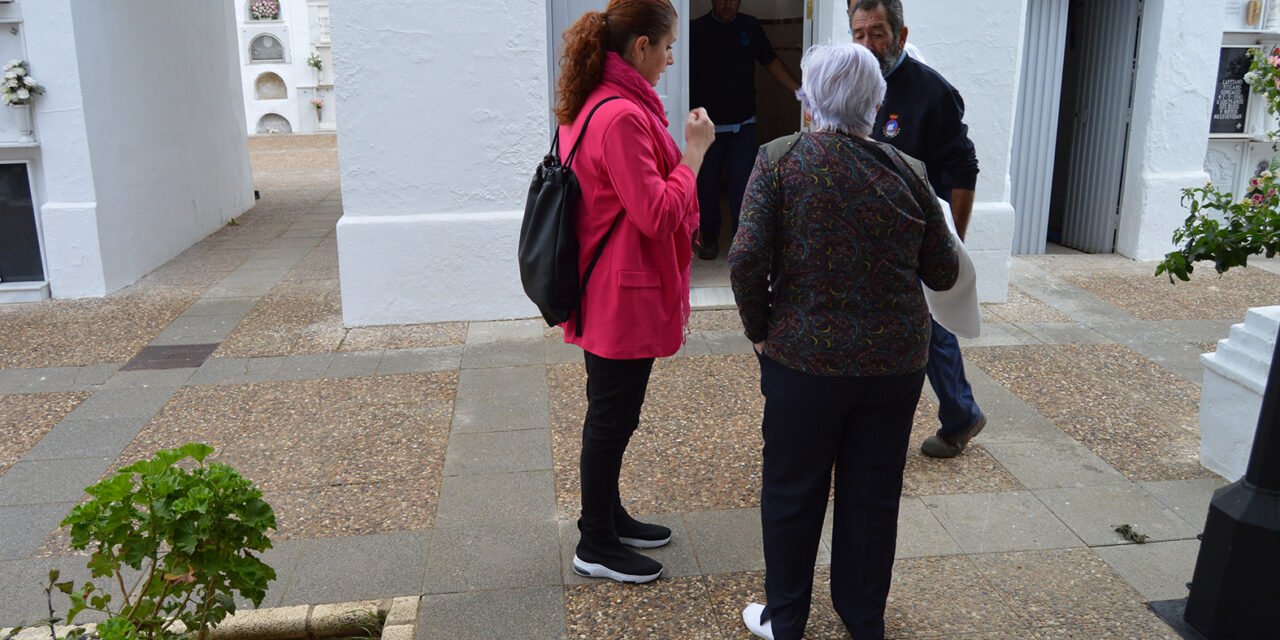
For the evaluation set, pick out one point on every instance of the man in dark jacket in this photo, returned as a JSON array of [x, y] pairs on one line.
[[724, 48], [923, 116]]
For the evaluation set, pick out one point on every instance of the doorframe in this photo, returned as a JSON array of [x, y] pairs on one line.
[[19, 291]]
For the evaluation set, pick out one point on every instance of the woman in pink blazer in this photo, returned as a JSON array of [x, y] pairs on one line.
[[640, 192]]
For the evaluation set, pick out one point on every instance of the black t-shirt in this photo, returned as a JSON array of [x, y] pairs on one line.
[[923, 116], [722, 74]]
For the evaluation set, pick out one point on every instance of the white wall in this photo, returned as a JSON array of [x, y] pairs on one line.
[[444, 115], [162, 114], [294, 32], [1177, 66]]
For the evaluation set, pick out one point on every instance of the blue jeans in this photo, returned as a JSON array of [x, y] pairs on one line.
[[731, 156], [957, 409]]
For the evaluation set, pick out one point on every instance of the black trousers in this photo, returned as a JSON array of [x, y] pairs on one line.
[[615, 394], [860, 426]]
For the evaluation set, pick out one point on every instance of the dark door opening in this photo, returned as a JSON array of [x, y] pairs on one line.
[[19, 236]]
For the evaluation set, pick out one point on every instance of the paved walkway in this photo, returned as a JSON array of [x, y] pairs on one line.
[[441, 459]]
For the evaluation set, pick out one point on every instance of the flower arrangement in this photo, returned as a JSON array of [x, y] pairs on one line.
[[318, 103], [1226, 228], [19, 87], [265, 9], [315, 62]]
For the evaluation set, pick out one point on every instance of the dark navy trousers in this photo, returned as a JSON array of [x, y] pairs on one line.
[[730, 157], [957, 410], [860, 427]]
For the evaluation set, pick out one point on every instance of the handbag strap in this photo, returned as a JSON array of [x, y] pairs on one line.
[[591, 266], [904, 170], [555, 141]]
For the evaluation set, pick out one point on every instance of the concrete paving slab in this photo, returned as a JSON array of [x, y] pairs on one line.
[[1159, 571], [676, 557], [242, 290], [95, 374], [1064, 333], [22, 599], [481, 500], [86, 439], [219, 370], [479, 333], [1187, 498], [536, 612], [23, 529], [694, 345], [726, 541], [39, 380], [198, 329], [132, 402], [144, 378], [723, 343], [504, 556], [359, 568], [501, 399], [283, 557], [47, 481], [555, 351], [502, 354], [1053, 464], [498, 452], [998, 335], [304, 367], [353, 364], [920, 534], [1009, 419], [1093, 513], [420, 360], [993, 522], [220, 307], [261, 369]]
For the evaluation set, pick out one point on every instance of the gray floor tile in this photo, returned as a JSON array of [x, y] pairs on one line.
[[998, 334], [171, 378], [218, 370], [1053, 464], [221, 307], [304, 367], [536, 612], [49, 481], [504, 556], [502, 354], [38, 380], [1064, 333], [1180, 358], [24, 529], [1159, 571], [498, 452], [920, 534], [353, 364], [694, 345], [359, 568], [87, 439], [501, 399], [1093, 513], [262, 369], [198, 329], [241, 290], [726, 342], [479, 333], [420, 360], [136, 402], [995, 522], [480, 500], [1197, 330], [726, 541], [283, 557], [96, 374], [676, 557], [556, 351], [1187, 498]]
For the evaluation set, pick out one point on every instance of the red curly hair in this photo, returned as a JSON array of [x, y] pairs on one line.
[[597, 33]]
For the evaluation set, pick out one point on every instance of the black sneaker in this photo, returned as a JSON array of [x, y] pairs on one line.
[[709, 249], [640, 535], [614, 562]]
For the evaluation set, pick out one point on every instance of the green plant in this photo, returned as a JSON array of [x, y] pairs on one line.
[[192, 534], [315, 62], [1222, 227]]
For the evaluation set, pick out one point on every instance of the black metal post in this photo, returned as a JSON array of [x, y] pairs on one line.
[[1235, 591]]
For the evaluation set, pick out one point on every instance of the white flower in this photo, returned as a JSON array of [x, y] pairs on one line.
[[19, 71], [1266, 173], [12, 63], [23, 94], [29, 81], [1252, 77]]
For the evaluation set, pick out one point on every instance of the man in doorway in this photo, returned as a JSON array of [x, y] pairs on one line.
[[923, 116], [724, 47]]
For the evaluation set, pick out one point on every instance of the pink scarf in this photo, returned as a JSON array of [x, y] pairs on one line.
[[630, 85]]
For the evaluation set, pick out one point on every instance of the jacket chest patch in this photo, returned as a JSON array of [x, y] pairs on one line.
[[892, 128]]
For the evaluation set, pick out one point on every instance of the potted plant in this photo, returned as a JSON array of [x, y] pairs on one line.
[[265, 9], [316, 63], [19, 89]]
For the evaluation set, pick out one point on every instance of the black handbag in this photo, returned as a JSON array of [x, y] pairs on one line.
[[548, 249]]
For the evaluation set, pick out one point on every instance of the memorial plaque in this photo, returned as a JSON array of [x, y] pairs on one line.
[[1231, 93]]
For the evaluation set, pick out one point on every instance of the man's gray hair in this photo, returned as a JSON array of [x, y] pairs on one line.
[[842, 87], [892, 8]]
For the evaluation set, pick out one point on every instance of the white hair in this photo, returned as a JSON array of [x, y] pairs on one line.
[[843, 87]]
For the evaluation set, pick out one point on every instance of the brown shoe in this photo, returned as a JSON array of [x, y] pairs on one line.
[[941, 445]]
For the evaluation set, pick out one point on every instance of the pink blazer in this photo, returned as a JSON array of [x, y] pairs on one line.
[[635, 301]]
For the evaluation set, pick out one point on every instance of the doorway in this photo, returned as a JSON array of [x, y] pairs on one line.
[[20, 256], [1080, 59]]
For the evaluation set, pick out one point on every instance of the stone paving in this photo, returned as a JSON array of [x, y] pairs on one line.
[[440, 460]]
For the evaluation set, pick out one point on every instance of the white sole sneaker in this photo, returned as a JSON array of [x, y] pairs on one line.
[[751, 618], [639, 543], [591, 570]]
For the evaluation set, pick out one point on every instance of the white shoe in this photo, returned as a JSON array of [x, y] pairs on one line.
[[751, 618]]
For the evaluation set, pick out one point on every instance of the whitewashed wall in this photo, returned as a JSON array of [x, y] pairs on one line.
[[294, 30], [167, 147], [444, 116], [1173, 96]]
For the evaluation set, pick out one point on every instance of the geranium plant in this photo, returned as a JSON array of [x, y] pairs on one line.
[[19, 87], [1222, 226], [265, 9]]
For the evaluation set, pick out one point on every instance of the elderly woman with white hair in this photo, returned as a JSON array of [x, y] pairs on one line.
[[837, 234]]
